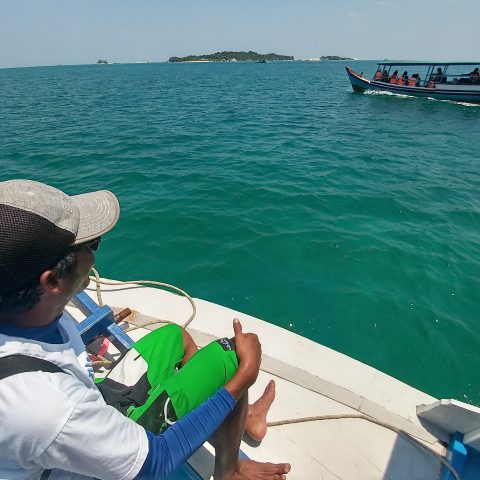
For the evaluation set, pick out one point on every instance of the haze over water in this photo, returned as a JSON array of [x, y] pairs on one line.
[[275, 190]]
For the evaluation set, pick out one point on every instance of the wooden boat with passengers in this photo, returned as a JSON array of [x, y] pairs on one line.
[[459, 82]]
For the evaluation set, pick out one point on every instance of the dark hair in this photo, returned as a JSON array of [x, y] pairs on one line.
[[26, 297]]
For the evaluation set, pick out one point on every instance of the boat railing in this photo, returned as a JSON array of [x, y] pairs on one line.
[[436, 78], [461, 79]]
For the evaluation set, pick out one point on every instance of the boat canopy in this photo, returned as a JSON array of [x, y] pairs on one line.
[[425, 64]]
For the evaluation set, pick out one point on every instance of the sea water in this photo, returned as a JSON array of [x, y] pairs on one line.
[[273, 189]]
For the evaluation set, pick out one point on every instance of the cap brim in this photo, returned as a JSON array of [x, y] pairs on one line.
[[99, 212]]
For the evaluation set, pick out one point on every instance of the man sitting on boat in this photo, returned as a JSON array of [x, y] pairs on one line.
[[439, 77], [474, 76], [56, 422]]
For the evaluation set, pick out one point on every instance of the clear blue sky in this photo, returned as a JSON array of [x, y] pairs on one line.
[[50, 32]]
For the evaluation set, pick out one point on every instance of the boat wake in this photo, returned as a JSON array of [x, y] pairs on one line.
[[402, 95], [464, 104], [389, 94]]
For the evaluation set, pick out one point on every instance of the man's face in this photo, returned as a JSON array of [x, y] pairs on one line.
[[77, 280]]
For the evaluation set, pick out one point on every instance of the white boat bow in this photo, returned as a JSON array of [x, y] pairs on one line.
[[312, 381]]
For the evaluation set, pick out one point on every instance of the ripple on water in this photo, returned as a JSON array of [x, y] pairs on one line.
[[351, 219]]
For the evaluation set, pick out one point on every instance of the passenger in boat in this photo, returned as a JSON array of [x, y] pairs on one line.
[[54, 417], [474, 76], [394, 77], [385, 76], [378, 75], [439, 77], [403, 80], [414, 80]]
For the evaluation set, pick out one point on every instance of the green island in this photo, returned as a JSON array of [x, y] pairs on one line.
[[231, 57], [334, 57]]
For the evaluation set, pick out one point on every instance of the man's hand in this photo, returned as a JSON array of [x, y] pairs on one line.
[[249, 351], [249, 354]]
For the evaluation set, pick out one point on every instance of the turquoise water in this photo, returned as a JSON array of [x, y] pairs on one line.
[[275, 190]]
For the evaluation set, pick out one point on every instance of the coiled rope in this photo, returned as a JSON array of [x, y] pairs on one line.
[[360, 416], [98, 281]]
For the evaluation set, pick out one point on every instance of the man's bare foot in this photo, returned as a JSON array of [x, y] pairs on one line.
[[251, 470], [256, 424]]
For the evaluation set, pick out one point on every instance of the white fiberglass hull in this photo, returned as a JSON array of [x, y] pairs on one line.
[[311, 380]]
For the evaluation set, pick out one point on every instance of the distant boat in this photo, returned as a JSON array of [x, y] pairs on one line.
[[441, 81], [261, 61]]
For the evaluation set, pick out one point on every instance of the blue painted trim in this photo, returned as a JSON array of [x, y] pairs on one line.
[[99, 321], [84, 303], [243, 455], [119, 338], [456, 455]]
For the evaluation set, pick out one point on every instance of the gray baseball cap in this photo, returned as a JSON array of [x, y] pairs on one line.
[[39, 224]]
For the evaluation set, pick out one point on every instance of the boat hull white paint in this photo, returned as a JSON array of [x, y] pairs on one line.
[[311, 380]]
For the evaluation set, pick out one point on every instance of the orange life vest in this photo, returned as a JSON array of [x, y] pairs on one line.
[[412, 82], [378, 75]]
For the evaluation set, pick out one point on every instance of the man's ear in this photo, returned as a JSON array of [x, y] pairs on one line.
[[49, 282]]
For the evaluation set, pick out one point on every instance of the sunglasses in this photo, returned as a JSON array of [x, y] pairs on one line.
[[91, 244]]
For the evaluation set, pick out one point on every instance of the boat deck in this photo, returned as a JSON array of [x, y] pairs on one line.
[[311, 380]]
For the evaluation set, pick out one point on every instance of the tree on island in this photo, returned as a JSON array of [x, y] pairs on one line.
[[230, 56]]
